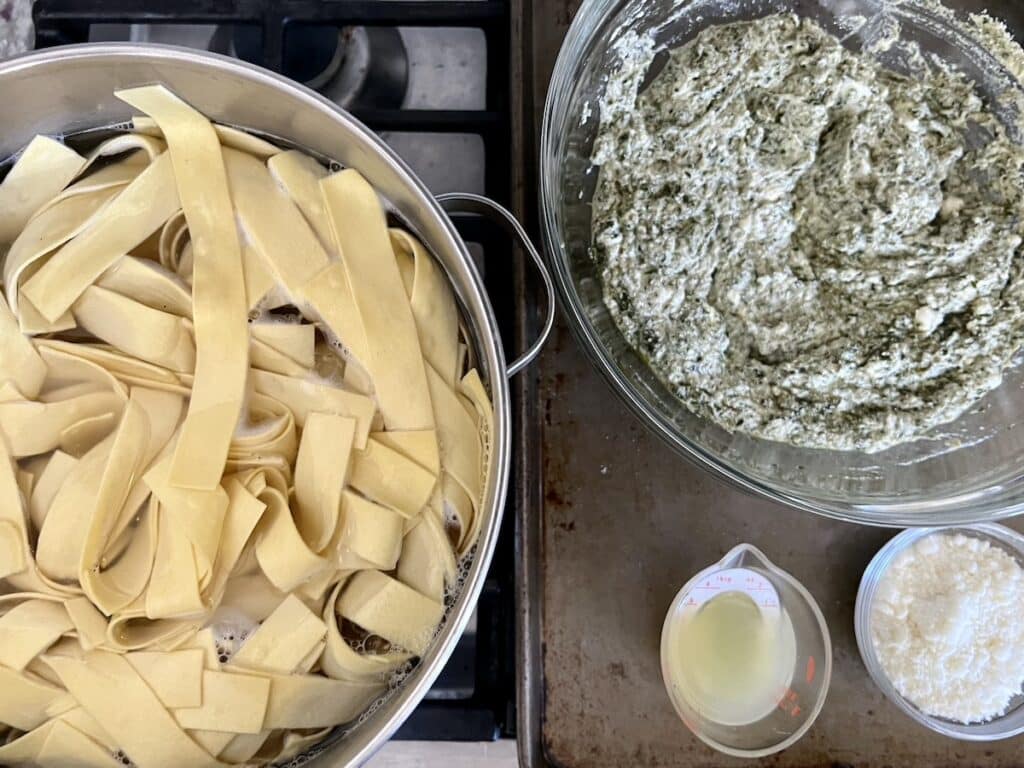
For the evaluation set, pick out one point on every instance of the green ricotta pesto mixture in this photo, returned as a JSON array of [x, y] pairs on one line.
[[805, 246]]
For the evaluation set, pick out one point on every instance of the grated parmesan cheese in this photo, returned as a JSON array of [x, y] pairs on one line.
[[948, 627]]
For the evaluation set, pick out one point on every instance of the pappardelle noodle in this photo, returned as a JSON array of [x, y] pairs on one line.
[[241, 448]]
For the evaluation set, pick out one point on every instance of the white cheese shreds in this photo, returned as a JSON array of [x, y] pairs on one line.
[[948, 628]]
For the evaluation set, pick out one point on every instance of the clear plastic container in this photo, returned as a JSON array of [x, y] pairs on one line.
[[967, 471], [802, 694], [1011, 723]]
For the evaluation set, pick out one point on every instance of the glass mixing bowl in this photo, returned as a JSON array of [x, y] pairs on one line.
[[966, 471]]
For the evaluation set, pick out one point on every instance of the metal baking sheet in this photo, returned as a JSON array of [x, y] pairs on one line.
[[623, 525], [611, 525]]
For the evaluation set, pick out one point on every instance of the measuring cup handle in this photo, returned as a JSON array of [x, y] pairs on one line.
[[460, 202]]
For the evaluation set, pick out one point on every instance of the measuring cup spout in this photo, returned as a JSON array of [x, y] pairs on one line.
[[745, 556]]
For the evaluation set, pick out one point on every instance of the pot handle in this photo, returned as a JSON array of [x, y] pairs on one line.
[[459, 202]]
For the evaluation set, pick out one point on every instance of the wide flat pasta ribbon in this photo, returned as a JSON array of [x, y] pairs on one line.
[[231, 703], [427, 563], [311, 701], [219, 304], [148, 334], [44, 168], [299, 175], [321, 472], [370, 531], [288, 247], [387, 607], [124, 368], [305, 396], [473, 388], [297, 341], [34, 427], [28, 629], [391, 478], [274, 225], [341, 662], [150, 283], [270, 432], [176, 677], [394, 358], [17, 562], [138, 211], [110, 690], [227, 135], [260, 283], [171, 245], [66, 371], [48, 483], [266, 358], [282, 554], [19, 361], [130, 451], [243, 513], [194, 524], [59, 548], [432, 303], [26, 699], [283, 640], [53, 227]]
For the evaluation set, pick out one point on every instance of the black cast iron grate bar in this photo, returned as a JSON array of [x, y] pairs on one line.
[[68, 16], [429, 120], [446, 13]]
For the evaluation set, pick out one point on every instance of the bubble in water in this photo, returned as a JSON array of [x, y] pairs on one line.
[[230, 629]]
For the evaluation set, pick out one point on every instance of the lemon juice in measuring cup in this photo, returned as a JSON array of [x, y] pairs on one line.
[[746, 655]]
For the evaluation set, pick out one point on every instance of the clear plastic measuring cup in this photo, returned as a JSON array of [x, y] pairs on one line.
[[790, 690]]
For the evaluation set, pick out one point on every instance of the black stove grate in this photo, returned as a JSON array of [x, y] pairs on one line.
[[474, 698]]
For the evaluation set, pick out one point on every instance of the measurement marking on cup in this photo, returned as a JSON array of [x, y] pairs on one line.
[[751, 583]]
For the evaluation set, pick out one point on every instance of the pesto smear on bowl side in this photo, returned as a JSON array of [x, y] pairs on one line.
[[804, 245]]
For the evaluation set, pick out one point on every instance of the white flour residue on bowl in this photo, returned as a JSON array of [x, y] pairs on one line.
[[997, 39]]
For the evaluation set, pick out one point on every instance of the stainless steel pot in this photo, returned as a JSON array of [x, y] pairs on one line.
[[71, 89]]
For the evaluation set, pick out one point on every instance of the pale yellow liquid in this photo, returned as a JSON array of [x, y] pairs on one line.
[[730, 661]]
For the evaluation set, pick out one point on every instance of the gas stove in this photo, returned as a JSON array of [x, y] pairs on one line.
[[432, 78]]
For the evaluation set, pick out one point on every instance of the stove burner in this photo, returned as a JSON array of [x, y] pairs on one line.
[[375, 70], [355, 67], [312, 54]]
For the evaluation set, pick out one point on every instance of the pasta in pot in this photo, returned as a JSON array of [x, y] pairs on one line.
[[222, 531]]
